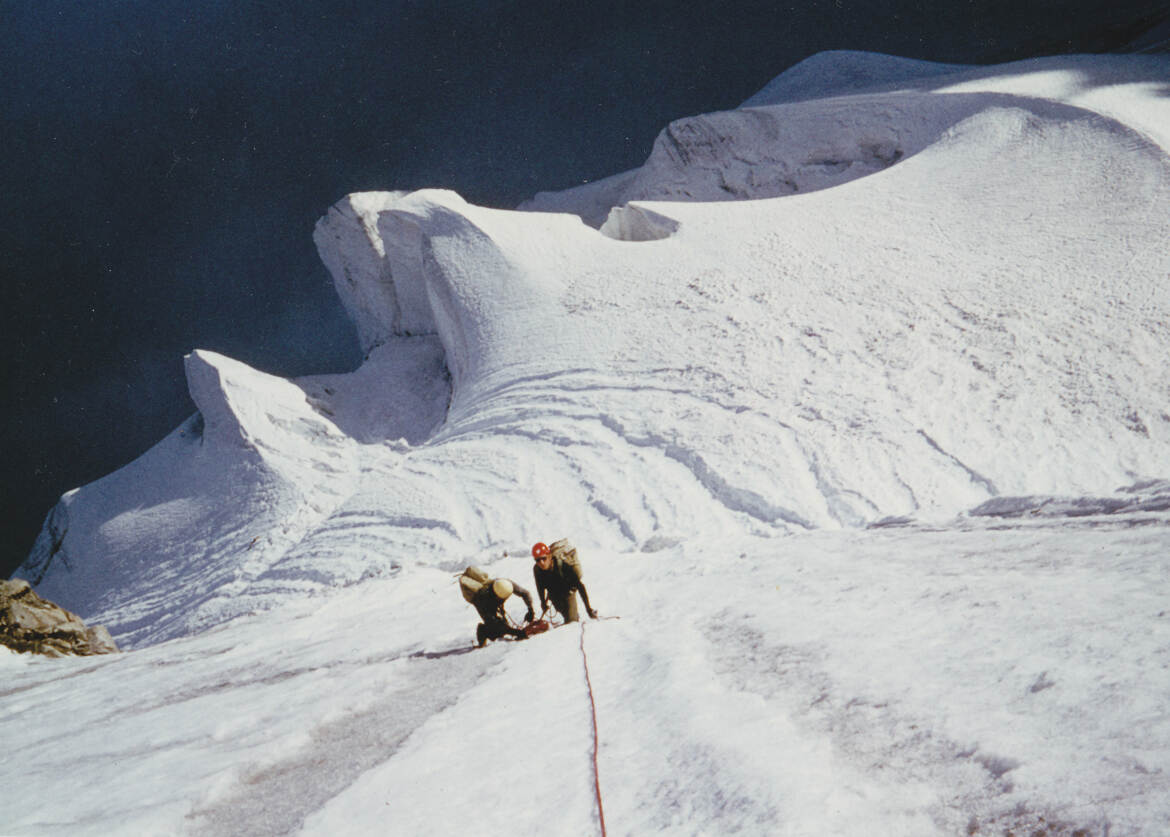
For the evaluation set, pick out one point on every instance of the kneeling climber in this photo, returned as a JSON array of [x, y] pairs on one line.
[[489, 603]]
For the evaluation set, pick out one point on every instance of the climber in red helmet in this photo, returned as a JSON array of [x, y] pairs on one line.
[[558, 580]]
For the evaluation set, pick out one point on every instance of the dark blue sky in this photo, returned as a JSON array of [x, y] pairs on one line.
[[165, 162]]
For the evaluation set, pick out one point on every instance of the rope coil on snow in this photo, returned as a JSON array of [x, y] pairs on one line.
[[593, 715]]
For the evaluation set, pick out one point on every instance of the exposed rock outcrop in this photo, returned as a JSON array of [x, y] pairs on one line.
[[29, 623]]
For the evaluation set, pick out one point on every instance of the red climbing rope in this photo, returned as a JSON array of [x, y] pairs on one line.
[[593, 711]]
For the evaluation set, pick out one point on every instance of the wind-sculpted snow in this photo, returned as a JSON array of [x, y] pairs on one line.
[[840, 116], [984, 313], [872, 461], [183, 537], [843, 72]]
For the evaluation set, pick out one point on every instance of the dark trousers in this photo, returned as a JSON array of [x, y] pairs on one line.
[[566, 605], [494, 629]]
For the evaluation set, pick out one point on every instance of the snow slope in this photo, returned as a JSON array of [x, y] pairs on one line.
[[855, 400]]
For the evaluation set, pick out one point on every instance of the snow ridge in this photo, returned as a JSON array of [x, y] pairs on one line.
[[838, 350], [857, 414]]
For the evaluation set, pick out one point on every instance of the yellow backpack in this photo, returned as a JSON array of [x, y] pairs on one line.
[[471, 581]]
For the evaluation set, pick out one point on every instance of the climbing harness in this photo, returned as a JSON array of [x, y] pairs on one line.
[[593, 717]]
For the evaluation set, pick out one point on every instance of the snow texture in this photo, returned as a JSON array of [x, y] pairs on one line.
[[854, 400]]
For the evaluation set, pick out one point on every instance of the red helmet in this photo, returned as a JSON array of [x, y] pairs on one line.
[[539, 550]]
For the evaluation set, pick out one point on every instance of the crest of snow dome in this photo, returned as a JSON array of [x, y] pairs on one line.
[[883, 289]]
